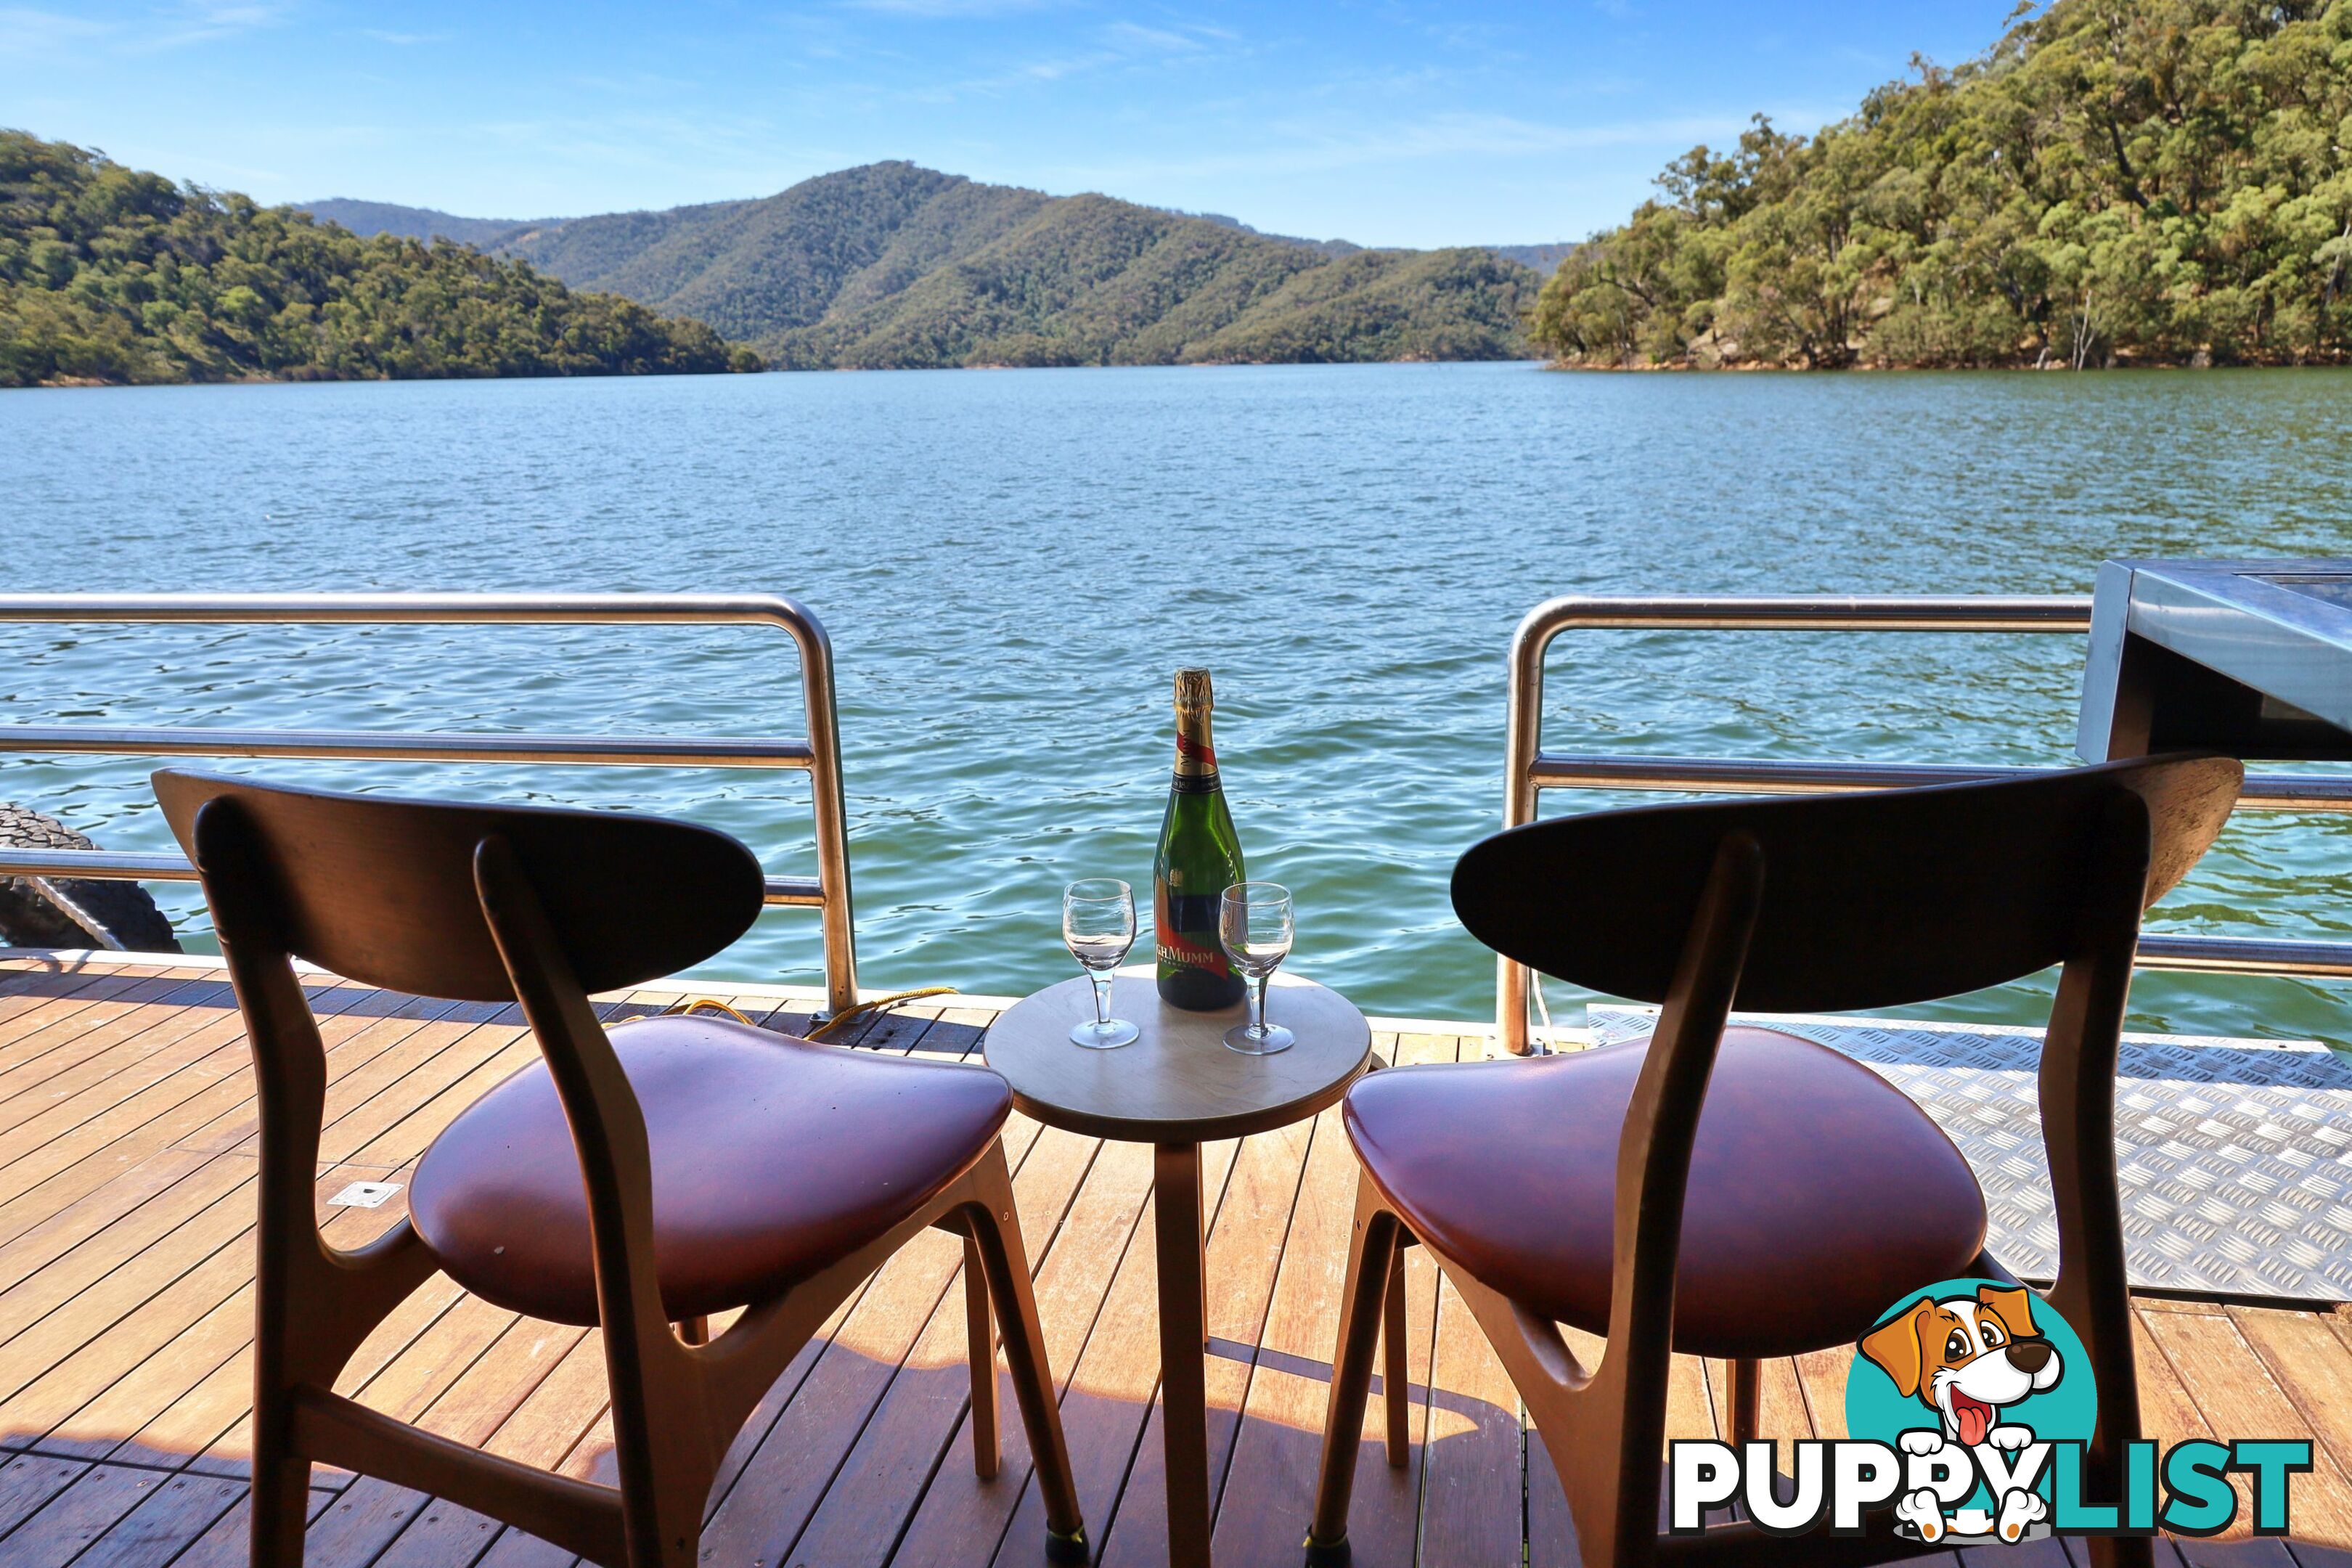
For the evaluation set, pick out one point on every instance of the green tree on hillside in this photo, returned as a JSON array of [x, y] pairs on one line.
[[2115, 182], [107, 274]]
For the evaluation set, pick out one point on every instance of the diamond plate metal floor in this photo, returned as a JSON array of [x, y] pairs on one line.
[[2234, 1156]]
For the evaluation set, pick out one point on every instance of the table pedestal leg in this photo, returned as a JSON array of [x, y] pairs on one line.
[[1184, 1330]]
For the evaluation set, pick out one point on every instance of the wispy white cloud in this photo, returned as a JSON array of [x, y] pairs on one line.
[[1300, 148], [404, 40], [26, 32], [204, 21], [1118, 44], [950, 9], [1135, 36]]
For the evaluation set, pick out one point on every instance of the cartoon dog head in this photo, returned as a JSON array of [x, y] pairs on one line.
[[1965, 1357]]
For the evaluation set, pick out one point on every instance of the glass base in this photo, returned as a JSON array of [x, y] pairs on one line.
[[1263, 1042], [1103, 1036]]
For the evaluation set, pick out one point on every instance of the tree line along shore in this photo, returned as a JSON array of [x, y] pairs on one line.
[[2115, 183]]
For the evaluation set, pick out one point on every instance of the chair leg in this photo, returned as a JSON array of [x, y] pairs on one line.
[[280, 1497], [1745, 1399], [980, 1338], [996, 1231], [1370, 1248], [1395, 1377]]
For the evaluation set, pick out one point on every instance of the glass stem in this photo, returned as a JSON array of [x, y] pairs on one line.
[[1102, 999], [1257, 1009]]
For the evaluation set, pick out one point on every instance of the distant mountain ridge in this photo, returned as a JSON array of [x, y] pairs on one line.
[[895, 265], [369, 218]]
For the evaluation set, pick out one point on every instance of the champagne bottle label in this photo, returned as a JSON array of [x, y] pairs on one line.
[[1198, 858], [1180, 920], [1196, 763]]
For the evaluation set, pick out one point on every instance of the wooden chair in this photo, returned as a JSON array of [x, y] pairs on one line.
[[672, 1168], [1744, 1193]]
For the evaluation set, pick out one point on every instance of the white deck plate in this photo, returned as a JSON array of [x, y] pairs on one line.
[[2234, 1156]]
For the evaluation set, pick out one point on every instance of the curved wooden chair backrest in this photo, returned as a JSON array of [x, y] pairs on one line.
[[1868, 901], [1829, 903], [382, 889]]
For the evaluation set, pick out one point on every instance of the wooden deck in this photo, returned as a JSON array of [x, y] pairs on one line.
[[126, 1168]]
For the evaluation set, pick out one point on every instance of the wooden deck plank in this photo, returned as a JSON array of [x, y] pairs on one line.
[[27, 1482], [1108, 1383], [1268, 1494], [393, 1128], [2233, 1390], [165, 1193], [124, 1198], [2313, 1367], [175, 1513], [66, 1526], [96, 1429], [779, 1489], [1457, 1389], [29, 1001], [224, 1545], [1475, 1457], [29, 1006], [924, 1428], [64, 1386], [133, 1011], [1253, 1217], [67, 1305], [126, 1116], [187, 1049], [380, 1050], [2170, 1414], [45, 1181]]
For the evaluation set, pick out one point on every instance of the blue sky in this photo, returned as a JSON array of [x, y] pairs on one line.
[[1389, 123]]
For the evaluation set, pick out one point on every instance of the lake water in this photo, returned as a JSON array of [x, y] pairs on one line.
[[1011, 564]]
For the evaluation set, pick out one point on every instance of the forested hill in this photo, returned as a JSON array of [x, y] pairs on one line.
[[2115, 182], [893, 265], [110, 275]]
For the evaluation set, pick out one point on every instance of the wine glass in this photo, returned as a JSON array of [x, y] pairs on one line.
[[1098, 926], [1254, 927]]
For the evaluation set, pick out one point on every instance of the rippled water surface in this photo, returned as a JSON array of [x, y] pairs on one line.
[[1011, 564]]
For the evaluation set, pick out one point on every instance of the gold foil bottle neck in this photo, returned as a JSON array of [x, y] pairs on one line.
[[1192, 688]]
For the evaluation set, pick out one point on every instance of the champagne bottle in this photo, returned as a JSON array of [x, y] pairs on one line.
[[1198, 858]]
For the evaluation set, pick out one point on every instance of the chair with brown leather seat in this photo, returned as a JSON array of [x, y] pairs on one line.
[[672, 1168], [1741, 1192]]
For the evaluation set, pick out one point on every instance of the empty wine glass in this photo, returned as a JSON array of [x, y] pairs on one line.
[[1254, 927], [1098, 926]]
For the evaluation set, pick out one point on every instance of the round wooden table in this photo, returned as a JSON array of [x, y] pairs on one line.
[[1176, 1087]]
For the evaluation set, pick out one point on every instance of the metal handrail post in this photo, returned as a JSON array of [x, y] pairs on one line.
[[1529, 770], [1522, 739], [832, 816], [821, 756], [1531, 641]]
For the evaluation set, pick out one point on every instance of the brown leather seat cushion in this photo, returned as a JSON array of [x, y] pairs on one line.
[[1819, 1193], [772, 1158]]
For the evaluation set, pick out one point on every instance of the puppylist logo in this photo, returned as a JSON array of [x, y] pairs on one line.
[[1970, 1404]]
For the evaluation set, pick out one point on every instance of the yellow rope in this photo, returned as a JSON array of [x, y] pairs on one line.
[[836, 1021], [713, 1003], [875, 1005]]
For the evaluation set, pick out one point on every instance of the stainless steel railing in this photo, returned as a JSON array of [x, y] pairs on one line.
[[1529, 769], [819, 755]]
